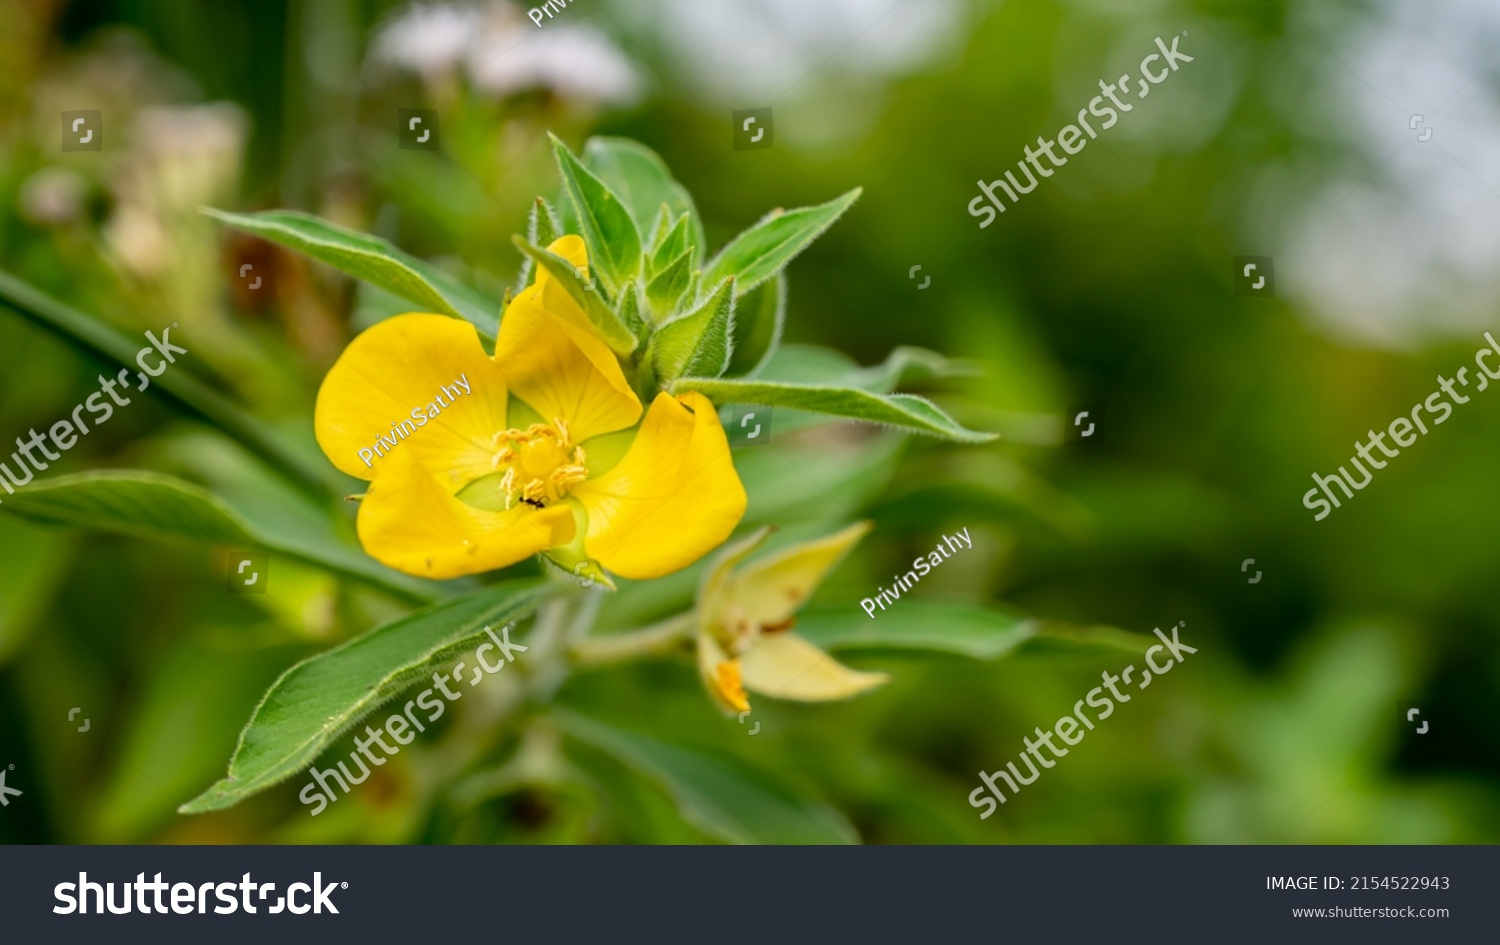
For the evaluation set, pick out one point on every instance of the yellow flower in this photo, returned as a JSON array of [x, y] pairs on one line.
[[745, 618], [464, 479]]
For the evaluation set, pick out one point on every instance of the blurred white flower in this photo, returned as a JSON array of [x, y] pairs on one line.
[[573, 61], [180, 157], [1401, 248], [757, 52], [824, 64], [137, 239], [52, 195], [428, 39], [502, 52], [189, 154]]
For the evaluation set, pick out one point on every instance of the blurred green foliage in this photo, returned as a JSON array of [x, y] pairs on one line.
[[1108, 286]]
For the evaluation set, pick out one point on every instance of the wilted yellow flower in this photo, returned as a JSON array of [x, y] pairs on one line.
[[465, 479], [745, 619]]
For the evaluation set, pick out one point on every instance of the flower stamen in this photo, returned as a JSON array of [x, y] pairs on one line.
[[727, 681], [508, 483], [536, 461]]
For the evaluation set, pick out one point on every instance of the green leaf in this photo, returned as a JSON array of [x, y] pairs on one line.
[[151, 505], [758, 320], [810, 364], [127, 502], [981, 633], [611, 327], [316, 701], [34, 562], [180, 388], [825, 367], [372, 260], [902, 411], [160, 754], [667, 288], [373, 305], [765, 249], [822, 482], [696, 340], [614, 242], [1059, 635], [718, 794], [984, 483], [906, 364], [644, 183]]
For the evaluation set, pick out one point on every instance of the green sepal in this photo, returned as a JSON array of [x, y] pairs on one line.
[[661, 227], [643, 181], [667, 289], [673, 244], [542, 229], [630, 311], [573, 560], [610, 326], [696, 342]]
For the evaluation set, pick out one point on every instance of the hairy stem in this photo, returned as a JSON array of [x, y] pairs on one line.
[[566, 622], [654, 640]]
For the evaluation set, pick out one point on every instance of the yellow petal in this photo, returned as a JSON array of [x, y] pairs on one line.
[[770, 590], [555, 363], [710, 590], [721, 675], [408, 522], [553, 297], [411, 370], [672, 499], [785, 666]]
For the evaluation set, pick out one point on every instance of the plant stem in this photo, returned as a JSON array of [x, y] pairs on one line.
[[560, 624], [654, 640]]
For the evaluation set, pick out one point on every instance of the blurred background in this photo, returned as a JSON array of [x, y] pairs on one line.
[[1295, 134]]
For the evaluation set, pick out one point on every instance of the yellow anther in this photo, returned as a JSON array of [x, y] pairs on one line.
[[538, 457], [731, 689], [564, 476], [534, 491]]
